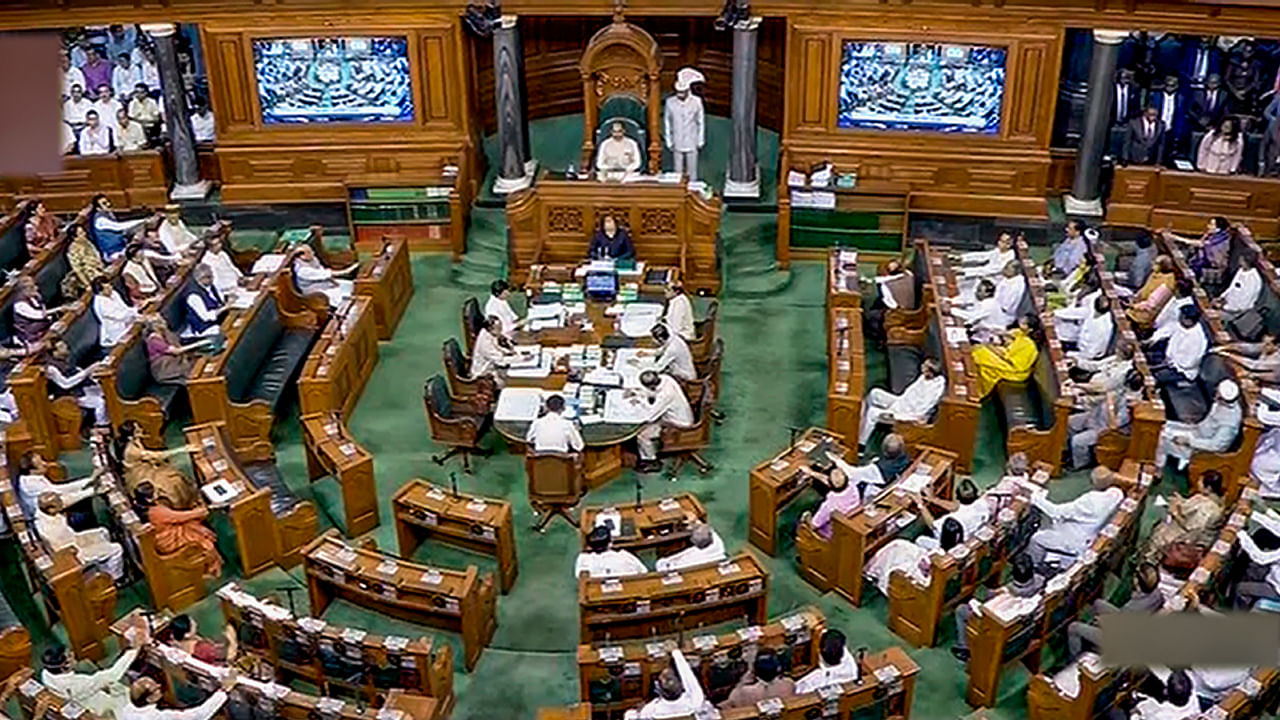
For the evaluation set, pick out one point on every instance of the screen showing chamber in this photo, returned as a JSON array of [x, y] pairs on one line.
[[333, 80], [921, 86]]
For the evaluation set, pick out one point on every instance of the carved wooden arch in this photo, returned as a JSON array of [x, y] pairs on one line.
[[621, 58]]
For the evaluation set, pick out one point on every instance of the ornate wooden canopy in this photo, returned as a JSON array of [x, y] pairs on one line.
[[621, 59]]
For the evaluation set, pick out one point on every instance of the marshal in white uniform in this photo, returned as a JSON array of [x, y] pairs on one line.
[[684, 123]]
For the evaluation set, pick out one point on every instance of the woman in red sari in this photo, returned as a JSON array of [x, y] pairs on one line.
[[176, 529]]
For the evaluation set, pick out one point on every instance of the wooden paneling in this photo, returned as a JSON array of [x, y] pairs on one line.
[[128, 179], [811, 81], [553, 46], [1159, 197]]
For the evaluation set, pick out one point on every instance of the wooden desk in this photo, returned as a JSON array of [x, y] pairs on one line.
[[264, 536], [995, 641], [886, 690], [341, 360], [471, 522], [331, 450], [1163, 197], [844, 284], [658, 524], [306, 649], [628, 670], [553, 221], [837, 563], [776, 482], [846, 370], [387, 280], [31, 694], [457, 600], [1044, 445], [82, 598], [658, 603]]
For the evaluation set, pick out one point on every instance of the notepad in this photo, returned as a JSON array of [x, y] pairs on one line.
[[518, 405]]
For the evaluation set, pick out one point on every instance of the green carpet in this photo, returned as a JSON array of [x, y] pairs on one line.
[[774, 376]]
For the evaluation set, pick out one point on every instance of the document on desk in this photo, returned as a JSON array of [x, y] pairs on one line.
[[917, 482], [628, 363], [639, 318], [243, 300], [268, 263], [544, 311], [527, 356], [622, 410], [516, 404], [957, 335]]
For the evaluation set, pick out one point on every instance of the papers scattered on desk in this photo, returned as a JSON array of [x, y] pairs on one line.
[[267, 263], [518, 405], [639, 318], [622, 410], [315, 626], [816, 200], [917, 482], [603, 377], [543, 311], [628, 363], [353, 636], [729, 568], [1006, 607], [592, 419], [219, 492], [670, 178], [527, 356], [540, 367]]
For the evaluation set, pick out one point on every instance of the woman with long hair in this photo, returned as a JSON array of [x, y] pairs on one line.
[[41, 230], [1013, 358], [141, 465], [85, 263], [177, 529], [1221, 149]]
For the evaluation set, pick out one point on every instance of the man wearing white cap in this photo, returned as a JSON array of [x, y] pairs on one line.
[[684, 123], [1214, 433]]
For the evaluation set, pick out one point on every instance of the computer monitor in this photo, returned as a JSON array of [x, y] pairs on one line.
[[602, 285]]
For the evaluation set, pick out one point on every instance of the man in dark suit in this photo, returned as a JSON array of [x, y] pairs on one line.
[[1144, 139], [1171, 107], [1128, 101], [1269, 153], [1210, 104], [1203, 59]]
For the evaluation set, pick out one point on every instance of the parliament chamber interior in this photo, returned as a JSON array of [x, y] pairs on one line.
[[851, 359]]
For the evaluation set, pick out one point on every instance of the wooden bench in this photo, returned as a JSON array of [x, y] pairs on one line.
[[425, 511], [954, 425], [995, 641], [341, 361], [886, 690], [33, 697], [461, 601], [660, 525], [660, 603], [130, 179], [615, 677], [332, 453], [244, 385], [846, 370], [174, 580], [346, 661], [836, 563], [82, 598], [778, 481], [271, 523], [916, 610], [13, 237]]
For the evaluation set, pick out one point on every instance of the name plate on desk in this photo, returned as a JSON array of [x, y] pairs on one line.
[[672, 579], [387, 567], [671, 504], [611, 586], [477, 506], [432, 577], [729, 568]]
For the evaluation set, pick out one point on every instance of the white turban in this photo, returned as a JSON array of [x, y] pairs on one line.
[[1228, 390], [686, 77]]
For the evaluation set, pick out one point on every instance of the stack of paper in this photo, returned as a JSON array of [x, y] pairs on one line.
[[518, 405], [622, 410], [639, 318]]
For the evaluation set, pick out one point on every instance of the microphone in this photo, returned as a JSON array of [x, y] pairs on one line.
[[795, 432], [289, 590], [453, 483]]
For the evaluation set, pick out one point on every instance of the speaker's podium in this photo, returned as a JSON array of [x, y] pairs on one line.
[[554, 484]]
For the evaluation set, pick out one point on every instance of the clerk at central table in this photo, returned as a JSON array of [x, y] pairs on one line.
[[611, 242]]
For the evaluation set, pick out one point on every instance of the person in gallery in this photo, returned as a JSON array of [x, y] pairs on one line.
[[611, 242], [619, 156], [684, 123]]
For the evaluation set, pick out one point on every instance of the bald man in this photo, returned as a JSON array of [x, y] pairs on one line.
[[1069, 528], [707, 548]]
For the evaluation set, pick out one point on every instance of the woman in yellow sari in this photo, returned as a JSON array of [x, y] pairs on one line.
[[1013, 359]]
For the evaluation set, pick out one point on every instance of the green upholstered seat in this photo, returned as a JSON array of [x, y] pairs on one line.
[[267, 357], [629, 111], [13, 246], [133, 377]]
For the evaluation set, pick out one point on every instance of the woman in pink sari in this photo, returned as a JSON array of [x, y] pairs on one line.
[[176, 529]]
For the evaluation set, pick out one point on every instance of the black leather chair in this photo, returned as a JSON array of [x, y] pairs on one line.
[[472, 320], [458, 367], [13, 243], [458, 423]]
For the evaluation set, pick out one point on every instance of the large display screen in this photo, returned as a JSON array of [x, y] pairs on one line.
[[921, 86], [333, 80]]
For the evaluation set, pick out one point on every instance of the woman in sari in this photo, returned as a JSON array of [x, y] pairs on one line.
[[141, 465], [170, 361], [1154, 293], [178, 529], [86, 264], [41, 230], [1189, 521], [1013, 359]]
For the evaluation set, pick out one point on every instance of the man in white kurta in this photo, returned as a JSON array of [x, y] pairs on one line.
[[553, 432], [92, 546], [314, 277], [684, 124], [33, 483], [1186, 346], [1247, 591], [1246, 285], [1067, 320], [100, 692], [1010, 289], [1070, 527], [986, 263], [915, 404], [488, 353], [619, 156], [498, 305], [173, 232], [983, 315], [96, 138], [1213, 434], [674, 358], [835, 665], [1265, 465], [707, 548], [226, 276], [668, 407], [679, 693], [1095, 334], [679, 314], [601, 560]]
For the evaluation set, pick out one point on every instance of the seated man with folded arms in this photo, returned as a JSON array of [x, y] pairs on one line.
[[1069, 528], [1094, 337], [707, 548], [835, 665], [552, 432], [667, 407], [763, 681], [1021, 590], [1146, 598], [916, 403], [93, 547], [1215, 433], [601, 560], [1185, 344], [173, 234], [1261, 579], [1110, 412], [226, 276], [673, 356], [101, 691], [679, 693]]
